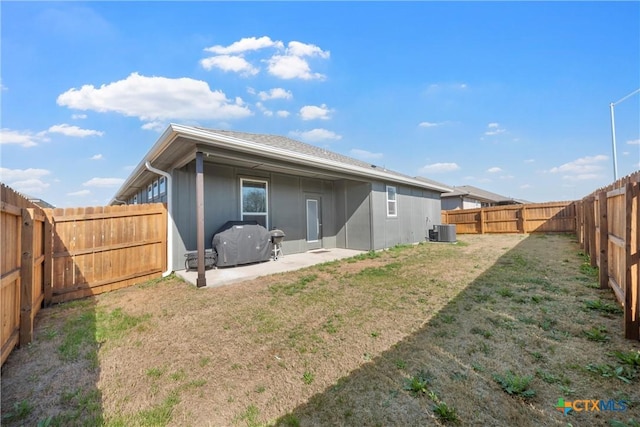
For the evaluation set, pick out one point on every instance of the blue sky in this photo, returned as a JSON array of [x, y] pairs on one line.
[[512, 97]]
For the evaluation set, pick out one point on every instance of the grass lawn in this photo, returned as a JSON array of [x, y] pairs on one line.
[[491, 331]]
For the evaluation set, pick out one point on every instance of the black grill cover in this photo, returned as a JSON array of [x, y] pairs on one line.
[[242, 244]]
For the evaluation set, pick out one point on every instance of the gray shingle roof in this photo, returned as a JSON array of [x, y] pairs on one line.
[[292, 145], [471, 191]]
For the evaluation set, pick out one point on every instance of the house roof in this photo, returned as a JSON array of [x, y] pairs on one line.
[[178, 144], [478, 193]]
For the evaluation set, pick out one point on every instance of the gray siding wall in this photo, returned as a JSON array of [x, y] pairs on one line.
[[418, 210], [286, 208], [357, 215]]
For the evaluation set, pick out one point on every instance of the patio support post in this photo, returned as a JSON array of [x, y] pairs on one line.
[[201, 280]]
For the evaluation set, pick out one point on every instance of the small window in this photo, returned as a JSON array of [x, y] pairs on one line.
[[392, 203], [155, 189], [163, 185], [254, 199], [135, 199], [149, 193]]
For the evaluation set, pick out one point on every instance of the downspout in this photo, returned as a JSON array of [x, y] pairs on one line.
[[169, 217]]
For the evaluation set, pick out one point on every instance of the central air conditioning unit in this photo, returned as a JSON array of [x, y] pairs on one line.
[[443, 233]]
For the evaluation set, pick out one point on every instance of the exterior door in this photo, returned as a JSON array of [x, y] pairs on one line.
[[314, 223]]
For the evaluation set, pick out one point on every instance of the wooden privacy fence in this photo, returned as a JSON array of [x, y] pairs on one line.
[[607, 228], [55, 255], [25, 267], [99, 249], [529, 218]]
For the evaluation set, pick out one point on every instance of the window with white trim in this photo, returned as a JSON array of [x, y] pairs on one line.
[[254, 201], [135, 199], [155, 189], [392, 202], [163, 185], [149, 193]]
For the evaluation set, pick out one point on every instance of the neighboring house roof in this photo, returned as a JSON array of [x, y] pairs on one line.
[[479, 194], [177, 145]]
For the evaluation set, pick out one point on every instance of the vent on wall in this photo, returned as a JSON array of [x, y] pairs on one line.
[[443, 233]]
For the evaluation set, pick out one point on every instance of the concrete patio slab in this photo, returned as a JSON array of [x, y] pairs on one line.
[[228, 275]]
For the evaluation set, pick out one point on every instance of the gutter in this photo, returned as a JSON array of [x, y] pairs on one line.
[[169, 216]]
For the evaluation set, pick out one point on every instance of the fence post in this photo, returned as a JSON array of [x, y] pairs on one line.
[[631, 315], [522, 226], [604, 241], [592, 233], [26, 282], [47, 266]]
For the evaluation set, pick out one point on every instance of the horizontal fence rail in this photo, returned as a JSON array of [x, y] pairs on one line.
[[607, 229], [529, 218], [100, 249], [57, 255]]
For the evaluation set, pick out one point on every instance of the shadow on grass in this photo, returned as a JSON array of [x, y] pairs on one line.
[[69, 336], [501, 353]]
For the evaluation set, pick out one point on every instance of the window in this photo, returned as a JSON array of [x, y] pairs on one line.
[[149, 193], [163, 185], [155, 189], [254, 201], [135, 199], [392, 203]]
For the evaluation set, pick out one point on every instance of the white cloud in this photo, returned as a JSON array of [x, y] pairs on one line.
[[494, 129], [69, 130], [289, 63], [507, 176], [156, 126], [525, 186], [103, 182], [80, 193], [313, 112], [494, 169], [365, 155], [584, 166], [24, 138], [529, 160], [301, 49], [155, 98], [283, 113], [11, 175], [275, 93], [78, 116], [316, 135], [430, 124], [245, 45], [634, 142], [96, 157], [292, 67], [236, 64], [439, 168], [30, 186]]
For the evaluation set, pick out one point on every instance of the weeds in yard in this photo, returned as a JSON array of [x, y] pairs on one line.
[[631, 358], [515, 385], [418, 383], [308, 377], [631, 422], [623, 373], [19, 411], [603, 307], [401, 364], [446, 413], [479, 331], [597, 334]]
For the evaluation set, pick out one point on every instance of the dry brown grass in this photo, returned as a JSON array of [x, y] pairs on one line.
[[334, 344]]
